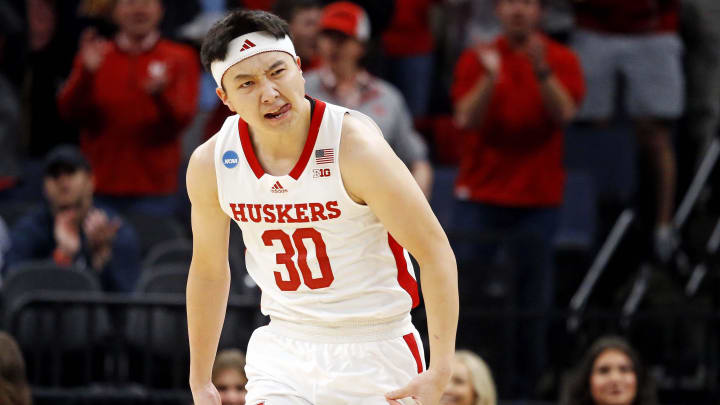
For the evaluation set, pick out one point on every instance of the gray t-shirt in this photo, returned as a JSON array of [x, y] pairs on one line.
[[380, 101]]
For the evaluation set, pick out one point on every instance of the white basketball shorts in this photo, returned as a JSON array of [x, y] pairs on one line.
[[293, 364]]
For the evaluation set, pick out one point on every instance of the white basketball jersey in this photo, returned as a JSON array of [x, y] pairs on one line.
[[318, 256]]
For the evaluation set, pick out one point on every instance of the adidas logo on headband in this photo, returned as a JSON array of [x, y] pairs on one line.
[[246, 46]]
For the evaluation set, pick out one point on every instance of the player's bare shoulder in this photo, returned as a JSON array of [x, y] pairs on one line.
[[360, 139], [201, 178], [364, 156]]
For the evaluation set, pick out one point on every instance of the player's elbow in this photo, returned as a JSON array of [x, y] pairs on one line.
[[440, 257], [208, 270]]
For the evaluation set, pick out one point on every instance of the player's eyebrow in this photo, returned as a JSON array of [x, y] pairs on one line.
[[272, 67]]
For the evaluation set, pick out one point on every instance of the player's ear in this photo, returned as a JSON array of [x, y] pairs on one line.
[[298, 62], [224, 98]]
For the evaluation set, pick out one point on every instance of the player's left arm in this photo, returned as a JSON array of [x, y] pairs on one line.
[[375, 176]]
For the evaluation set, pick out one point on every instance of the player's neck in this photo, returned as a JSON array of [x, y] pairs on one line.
[[283, 144]]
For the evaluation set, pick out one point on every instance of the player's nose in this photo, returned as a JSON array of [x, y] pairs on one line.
[[268, 92]]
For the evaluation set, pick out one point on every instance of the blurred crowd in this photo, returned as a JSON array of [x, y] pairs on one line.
[[497, 107]]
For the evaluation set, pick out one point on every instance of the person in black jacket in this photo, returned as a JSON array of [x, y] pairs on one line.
[[72, 231]]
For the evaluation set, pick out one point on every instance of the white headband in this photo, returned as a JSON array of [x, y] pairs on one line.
[[246, 46]]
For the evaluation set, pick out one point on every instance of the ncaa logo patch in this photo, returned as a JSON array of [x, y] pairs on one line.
[[230, 159]]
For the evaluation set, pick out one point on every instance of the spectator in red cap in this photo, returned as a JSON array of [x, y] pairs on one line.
[[131, 98], [342, 80], [516, 95]]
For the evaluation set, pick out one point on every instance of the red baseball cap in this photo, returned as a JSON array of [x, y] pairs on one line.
[[348, 18]]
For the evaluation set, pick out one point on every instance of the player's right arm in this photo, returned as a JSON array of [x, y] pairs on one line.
[[209, 277]]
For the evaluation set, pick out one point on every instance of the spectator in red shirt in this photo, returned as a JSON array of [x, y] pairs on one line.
[[637, 39], [515, 96], [131, 98]]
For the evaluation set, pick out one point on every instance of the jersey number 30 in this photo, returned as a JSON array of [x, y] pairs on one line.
[[286, 258]]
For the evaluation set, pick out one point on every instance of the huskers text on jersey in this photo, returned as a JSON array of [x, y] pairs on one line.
[[285, 213]]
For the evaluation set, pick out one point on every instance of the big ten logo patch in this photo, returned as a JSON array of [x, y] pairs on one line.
[[321, 173], [230, 159]]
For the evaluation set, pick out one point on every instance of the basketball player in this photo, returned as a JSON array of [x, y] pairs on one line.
[[325, 208]]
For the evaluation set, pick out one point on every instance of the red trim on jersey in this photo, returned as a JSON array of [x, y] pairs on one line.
[[412, 344], [248, 149], [295, 173], [310, 142], [406, 281]]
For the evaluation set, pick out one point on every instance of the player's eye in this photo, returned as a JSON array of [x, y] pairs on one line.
[[245, 85], [222, 388], [277, 72]]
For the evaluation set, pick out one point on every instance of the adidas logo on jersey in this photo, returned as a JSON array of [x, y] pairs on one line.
[[247, 45], [278, 188]]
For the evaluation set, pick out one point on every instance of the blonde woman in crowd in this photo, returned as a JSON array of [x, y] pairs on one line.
[[471, 382], [228, 375]]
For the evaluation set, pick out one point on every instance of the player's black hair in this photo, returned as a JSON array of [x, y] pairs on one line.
[[235, 24], [286, 9]]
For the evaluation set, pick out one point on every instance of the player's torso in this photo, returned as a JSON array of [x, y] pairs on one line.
[[316, 254]]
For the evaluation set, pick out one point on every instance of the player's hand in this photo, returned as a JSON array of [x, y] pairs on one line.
[[93, 49], [206, 395], [425, 389]]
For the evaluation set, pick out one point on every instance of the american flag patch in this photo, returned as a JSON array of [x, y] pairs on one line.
[[324, 156]]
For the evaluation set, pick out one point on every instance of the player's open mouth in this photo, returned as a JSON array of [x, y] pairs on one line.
[[280, 113]]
